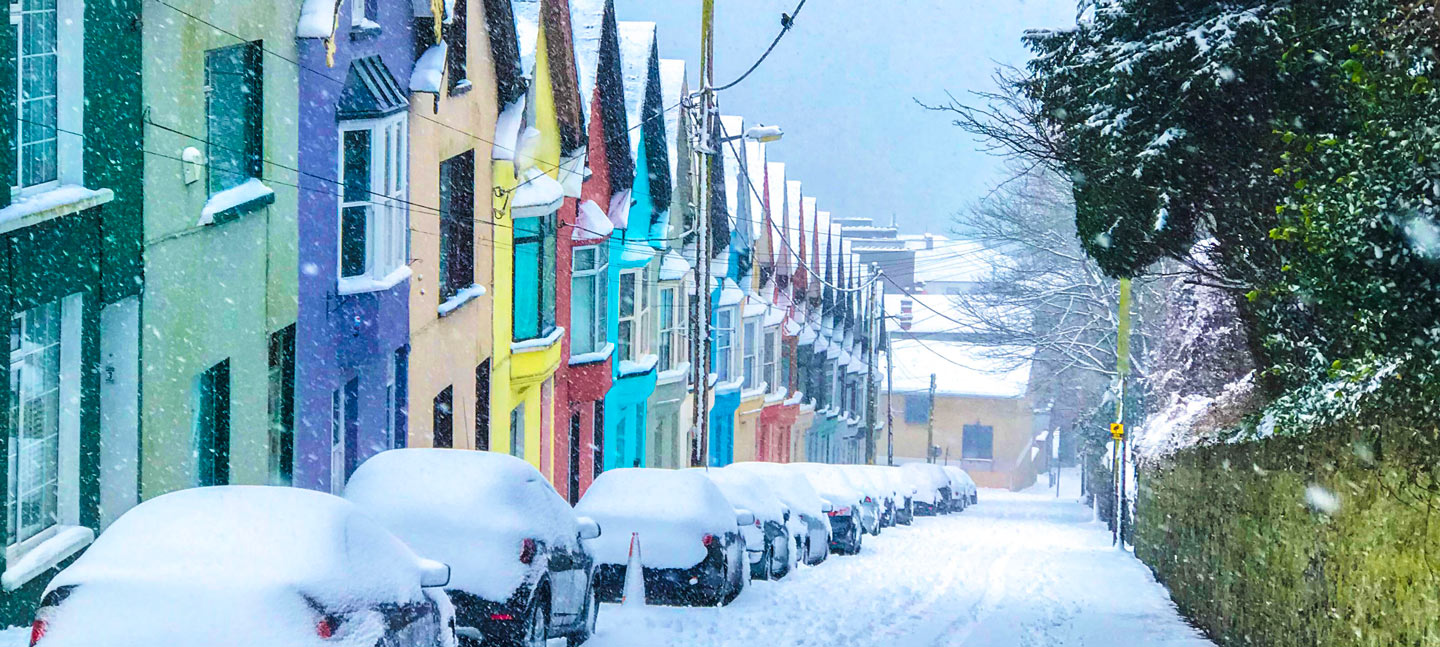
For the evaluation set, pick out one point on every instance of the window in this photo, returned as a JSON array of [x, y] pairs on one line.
[[671, 328], [770, 371], [363, 13], [978, 442], [397, 397], [534, 277], [444, 417], [574, 481], [588, 299], [457, 224], [43, 448], [786, 357], [917, 409], [212, 425], [344, 434], [517, 431], [724, 343], [598, 455], [632, 314], [282, 406], [454, 32], [750, 353], [482, 406], [232, 115], [374, 229]]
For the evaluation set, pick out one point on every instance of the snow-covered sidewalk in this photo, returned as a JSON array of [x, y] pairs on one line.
[[1021, 569]]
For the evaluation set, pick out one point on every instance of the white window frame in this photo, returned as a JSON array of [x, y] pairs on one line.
[[598, 275], [67, 486], [387, 219], [70, 97], [750, 352], [725, 342], [770, 361], [633, 347], [337, 441], [358, 18], [670, 338]]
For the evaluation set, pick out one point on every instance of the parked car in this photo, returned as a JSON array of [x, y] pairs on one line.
[[846, 513], [966, 490], [872, 502], [246, 565], [809, 516], [688, 534], [932, 485], [902, 490], [877, 489], [767, 540], [520, 573]]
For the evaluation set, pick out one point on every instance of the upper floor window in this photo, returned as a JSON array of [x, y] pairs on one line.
[[49, 101], [786, 356], [457, 224], [750, 353], [534, 277], [672, 312], [455, 34], [233, 110], [374, 229], [364, 13], [978, 442], [588, 299], [724, 343], [633, 311], [771, 350]]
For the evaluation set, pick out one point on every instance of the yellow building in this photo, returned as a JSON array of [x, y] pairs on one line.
[[984, 419], [453, 110], [538, 178]]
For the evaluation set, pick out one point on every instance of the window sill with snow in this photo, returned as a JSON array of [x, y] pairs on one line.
[[461, 298], [234, 202], [61, 543], [365, 284], [63, 200]]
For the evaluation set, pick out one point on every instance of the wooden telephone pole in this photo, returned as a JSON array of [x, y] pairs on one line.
[[930, 425]]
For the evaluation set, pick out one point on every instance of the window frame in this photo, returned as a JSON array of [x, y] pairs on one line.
[[724, 343], [67, 450], [977, 428], [598, 276], [671, 350], [770, 358], [543, 241], [457, 231], [386, 208], [69, 99], [254, 151], [632, 345], [750, 352]]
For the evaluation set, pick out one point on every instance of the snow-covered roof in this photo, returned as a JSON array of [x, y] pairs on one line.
[[429, 71], [587, 20], [733, 177], [674, 266], [317, 19], [781, 212], [537, 195], [527, 33], [637, 44], [958, 261], [591, 222], [672, 89], [755, 164], [961, 369]]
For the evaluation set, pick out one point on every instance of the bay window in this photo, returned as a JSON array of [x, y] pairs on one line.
[[588, 296], [42, 478], [373, 226], [632, 314], [724, 343], [771, 360], [671, 326], [534, 277]]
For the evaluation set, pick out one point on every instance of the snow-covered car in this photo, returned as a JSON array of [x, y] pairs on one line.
[[845, 501], [767, 540], [808, 512], [877, 490], [240, 566], [520, 573], [687, 532], [966, 490], [933, 487], [902, 491], [871, 503]]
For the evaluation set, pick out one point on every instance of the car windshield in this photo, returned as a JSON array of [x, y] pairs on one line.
[[450, 323]]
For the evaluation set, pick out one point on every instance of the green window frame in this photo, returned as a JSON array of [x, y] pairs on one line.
[[233, 112]]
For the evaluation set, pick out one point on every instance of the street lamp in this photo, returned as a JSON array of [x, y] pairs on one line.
[[759, 133]]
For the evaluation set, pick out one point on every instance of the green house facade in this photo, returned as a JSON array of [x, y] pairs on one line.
[[70, 284]]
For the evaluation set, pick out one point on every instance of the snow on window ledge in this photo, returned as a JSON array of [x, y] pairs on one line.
[[593, 357], [538, 343], [645, 364], [67, 541], [680, 372], [461, 298], [236, 201], [732, 386], [60, 201], [363, 284], [759, 390]]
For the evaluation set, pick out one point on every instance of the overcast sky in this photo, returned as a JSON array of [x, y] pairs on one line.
[[843, 82]]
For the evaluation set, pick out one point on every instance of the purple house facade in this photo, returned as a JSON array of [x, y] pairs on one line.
[[351, 350]]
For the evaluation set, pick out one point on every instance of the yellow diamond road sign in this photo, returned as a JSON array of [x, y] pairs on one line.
[[1117, 430]]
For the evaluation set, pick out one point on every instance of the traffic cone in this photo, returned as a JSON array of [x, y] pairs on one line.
[[634, 595]]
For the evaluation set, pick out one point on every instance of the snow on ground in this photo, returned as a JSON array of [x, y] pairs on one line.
[[15, 637], [1021, 569]]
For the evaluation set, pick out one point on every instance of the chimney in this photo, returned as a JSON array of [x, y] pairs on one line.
[[907, 313], [929, 240]]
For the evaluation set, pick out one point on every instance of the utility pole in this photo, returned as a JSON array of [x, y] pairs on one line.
[[930, 425], [872, 399], [704, 250], [890, 401], [1122, 368]]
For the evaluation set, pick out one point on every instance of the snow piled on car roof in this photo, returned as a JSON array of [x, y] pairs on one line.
[[672, 511]]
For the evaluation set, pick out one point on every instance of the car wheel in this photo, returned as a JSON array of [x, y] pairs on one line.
[[537, 626], [587, 628]]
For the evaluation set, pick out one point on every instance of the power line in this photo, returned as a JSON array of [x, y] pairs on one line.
[[786, 22]]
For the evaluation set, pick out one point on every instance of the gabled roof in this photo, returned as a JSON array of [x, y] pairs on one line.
[[672, 90], [564, 84], [505, 52], [781, 214], [587, 20], [370, 91], [637, 44], [640, 71], [527, 34], [755, 163]]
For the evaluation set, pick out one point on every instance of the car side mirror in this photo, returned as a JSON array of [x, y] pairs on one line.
[[744, 517], [588, 528], [434, 574], [826, 507]]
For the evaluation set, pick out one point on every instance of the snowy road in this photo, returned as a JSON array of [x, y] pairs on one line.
[[1019, 570]]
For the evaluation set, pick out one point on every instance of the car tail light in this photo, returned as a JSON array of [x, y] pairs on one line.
[[37, 630], [501, 616], [527, 551], [839, 511], [757, 523], [709, 540], [869, 500], [325, 627]]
